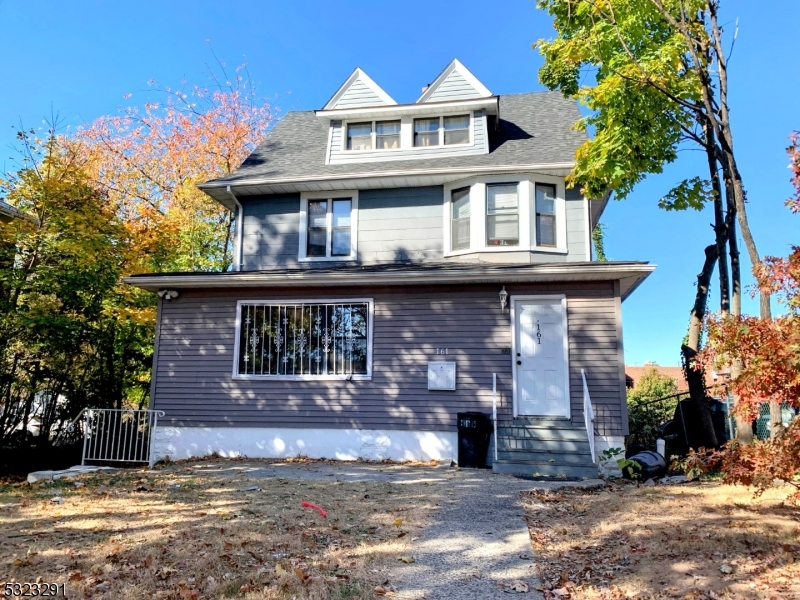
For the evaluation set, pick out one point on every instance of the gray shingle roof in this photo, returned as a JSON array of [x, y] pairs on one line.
[[535, 128]]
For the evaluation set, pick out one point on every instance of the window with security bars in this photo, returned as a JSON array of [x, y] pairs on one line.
[[305, 340]]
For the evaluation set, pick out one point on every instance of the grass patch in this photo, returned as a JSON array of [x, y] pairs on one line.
[[691, 541], [188, 530]]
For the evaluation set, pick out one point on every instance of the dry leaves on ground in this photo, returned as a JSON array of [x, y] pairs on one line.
[[694, 541], [208, 530]]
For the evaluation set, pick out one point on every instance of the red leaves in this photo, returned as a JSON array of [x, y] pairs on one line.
[[757, 465], [794, 156], [769, 352]]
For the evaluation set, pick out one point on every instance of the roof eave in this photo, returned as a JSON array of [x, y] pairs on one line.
[[491, 104], [218, 189], [631, 275]]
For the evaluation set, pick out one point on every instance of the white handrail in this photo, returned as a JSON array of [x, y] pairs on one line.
[[588, 415], [494, 412]]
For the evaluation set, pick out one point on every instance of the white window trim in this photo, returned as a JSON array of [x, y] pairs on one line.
[[303, 237], [527, 214], [406, 140], [513, 309], [370, 329]]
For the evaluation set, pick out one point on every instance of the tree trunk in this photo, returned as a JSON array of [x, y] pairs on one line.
[[695, 378], [744, 427]]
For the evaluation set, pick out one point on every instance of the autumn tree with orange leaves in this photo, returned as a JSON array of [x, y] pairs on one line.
[[769, 353], [116, 197], [149, 160]]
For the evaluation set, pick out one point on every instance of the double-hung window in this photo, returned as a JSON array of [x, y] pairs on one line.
[[502, 214], [387, 135], [328, 232], [545, 215], [459, 224], [359, 136], [426, 132], [303, 340], [456, 130]]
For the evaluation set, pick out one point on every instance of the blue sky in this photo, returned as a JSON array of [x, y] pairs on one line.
[[80, 57]]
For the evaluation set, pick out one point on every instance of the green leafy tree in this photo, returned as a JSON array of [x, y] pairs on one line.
[[645, 415], [654, 75], [59, 275]]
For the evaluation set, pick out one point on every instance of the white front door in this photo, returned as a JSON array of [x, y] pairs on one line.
[[541, 359]]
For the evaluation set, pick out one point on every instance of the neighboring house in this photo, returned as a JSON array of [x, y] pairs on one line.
[[634, 374], [389, 259]]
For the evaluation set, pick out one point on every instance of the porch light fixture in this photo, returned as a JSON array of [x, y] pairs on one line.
[[503, 298]]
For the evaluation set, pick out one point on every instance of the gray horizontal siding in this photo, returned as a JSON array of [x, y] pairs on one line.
[[401, 224], [576, 227], [454, 87], [359, 94], [271, 228], [339, 156], [194, 386]]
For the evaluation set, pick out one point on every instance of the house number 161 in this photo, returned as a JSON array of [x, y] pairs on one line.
[[441, 351], [538, 334]]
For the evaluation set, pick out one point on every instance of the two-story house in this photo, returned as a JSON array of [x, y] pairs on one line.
[[390, 260]]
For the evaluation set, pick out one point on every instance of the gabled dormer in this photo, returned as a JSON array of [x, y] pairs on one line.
[[449, 119], [456, 82], [359, 91]]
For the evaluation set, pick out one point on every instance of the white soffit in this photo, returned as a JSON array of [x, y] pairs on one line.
[[359, 90], [456, 82]]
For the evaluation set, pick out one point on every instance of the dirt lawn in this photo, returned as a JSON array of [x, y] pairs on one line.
[[182, 531], [690, 541]]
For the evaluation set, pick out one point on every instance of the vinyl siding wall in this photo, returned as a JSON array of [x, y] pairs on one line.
[[398, 224], [454, 87], [194, 383], [359, 94]]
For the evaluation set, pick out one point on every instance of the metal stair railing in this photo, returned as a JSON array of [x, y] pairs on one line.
[[588, 415]]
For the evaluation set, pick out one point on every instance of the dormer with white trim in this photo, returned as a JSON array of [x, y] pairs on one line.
[[359, 91], [450, 119]]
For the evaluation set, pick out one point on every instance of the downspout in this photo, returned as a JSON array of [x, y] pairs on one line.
[[237, 241]]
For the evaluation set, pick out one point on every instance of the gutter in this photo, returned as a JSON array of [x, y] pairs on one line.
[[211, 185], [239, 219]]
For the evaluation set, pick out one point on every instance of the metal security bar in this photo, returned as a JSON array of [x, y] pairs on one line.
[[119, 435], [303, 339]]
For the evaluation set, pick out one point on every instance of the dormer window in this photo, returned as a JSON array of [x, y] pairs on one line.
[[359, 136], [456, 130], [426, 132], [387, 135]]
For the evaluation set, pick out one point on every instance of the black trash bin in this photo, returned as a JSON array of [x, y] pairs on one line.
[[474, 429]]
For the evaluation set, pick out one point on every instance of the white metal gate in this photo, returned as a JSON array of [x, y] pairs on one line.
[[119, 435]]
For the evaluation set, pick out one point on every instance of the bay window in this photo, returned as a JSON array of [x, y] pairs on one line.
[[459, 224], [304, 340], [502, 214], [545, 215]]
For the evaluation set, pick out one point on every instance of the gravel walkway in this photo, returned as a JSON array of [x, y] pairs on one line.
[[478, 540]]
